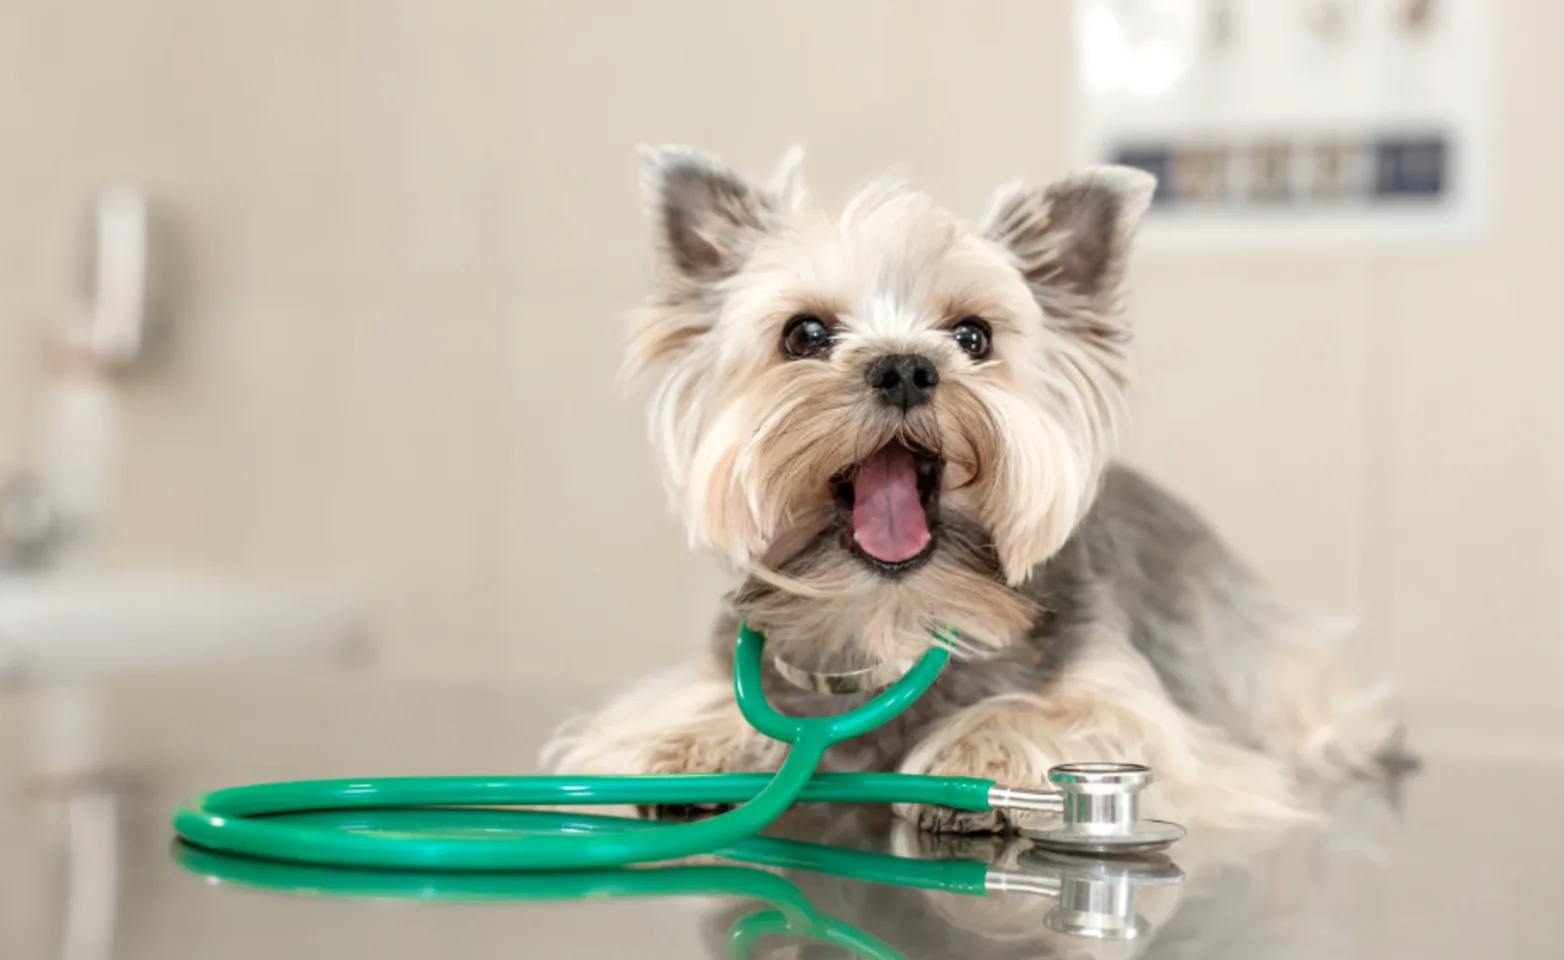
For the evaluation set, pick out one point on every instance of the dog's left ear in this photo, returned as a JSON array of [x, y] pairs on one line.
[[1073, 237]]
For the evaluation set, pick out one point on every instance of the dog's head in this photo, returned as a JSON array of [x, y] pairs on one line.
[[886, 381]]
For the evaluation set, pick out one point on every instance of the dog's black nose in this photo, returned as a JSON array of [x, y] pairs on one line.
[[904, 380]]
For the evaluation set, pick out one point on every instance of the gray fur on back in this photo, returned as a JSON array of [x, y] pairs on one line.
[[1190, 605]]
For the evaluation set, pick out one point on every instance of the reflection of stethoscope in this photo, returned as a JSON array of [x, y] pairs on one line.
[[1096, 804], [1096, 897]]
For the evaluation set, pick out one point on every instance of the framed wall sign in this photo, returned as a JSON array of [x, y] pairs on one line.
[[1292, 120]]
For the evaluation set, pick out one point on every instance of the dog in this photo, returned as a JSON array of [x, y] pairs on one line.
[[891, 420]]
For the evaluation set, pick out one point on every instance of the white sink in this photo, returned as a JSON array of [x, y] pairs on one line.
[[59, 633], [55, 628]]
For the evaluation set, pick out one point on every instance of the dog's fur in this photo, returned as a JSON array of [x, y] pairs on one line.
[[1100, 619]]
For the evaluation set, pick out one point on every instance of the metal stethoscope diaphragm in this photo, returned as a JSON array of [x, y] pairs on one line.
[[1098, 811]]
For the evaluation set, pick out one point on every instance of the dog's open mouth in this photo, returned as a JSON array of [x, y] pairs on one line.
[[892, 503]]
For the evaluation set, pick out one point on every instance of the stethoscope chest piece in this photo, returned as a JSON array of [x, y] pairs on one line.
[[1101, 813]]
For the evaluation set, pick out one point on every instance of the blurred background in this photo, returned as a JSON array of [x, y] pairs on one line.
[[309, 327], [392, 242]]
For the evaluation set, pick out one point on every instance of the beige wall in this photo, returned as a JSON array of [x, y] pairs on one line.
[[407, 229]]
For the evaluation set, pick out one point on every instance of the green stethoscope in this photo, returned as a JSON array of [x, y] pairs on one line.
[[1094, 806], [1096, 898]]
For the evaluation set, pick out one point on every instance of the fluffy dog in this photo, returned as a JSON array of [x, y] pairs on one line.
[[890, 419]]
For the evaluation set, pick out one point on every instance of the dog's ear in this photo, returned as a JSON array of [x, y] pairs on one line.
[[1073, 237], [706, 215], [787, 180]]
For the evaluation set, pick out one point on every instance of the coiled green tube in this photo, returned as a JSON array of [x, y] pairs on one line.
[[246, 821]]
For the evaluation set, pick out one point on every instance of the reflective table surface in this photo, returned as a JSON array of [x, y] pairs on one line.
[[1464, 858]]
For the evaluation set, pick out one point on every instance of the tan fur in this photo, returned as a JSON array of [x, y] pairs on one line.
[[682, 721], [1314, 712], [1109, 703], [855, 609]]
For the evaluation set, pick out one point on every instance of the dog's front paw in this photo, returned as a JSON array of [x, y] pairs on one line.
[[688, 754], [987, 751], [682, 812], [944, 820]]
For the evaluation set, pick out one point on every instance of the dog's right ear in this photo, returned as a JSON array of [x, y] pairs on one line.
[[706, 215]]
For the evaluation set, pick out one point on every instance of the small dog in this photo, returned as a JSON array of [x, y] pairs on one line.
[[891, 420]]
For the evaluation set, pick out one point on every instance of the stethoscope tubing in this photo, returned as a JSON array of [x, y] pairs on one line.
[[247, 821], [693, 789]]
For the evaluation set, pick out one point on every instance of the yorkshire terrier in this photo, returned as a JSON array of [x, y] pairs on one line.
[[892, 420]]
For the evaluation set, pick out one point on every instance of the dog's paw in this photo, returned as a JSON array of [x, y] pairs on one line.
[[682, 812], [984, 752], [944, 820], [685, 754]]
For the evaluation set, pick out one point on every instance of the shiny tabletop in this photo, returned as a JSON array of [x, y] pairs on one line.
[[1464, 858]]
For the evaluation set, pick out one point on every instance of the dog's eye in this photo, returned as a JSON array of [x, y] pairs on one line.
[[972, 335], [805, 336]]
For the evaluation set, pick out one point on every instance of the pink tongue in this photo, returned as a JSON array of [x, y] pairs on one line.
[[888, 519]]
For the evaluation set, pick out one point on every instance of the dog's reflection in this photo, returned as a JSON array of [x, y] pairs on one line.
[[1243, 894]]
